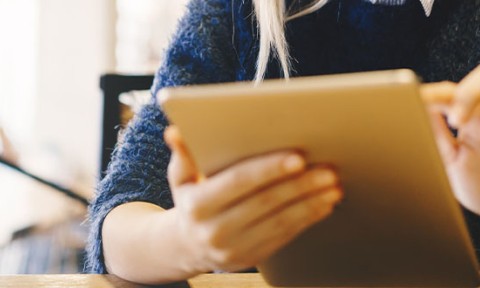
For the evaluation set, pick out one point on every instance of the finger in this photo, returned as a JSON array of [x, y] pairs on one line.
[[469, 135], [264, 203], [440, 93], [446, 143], [262, 240], [181, 168], [236, 183], [467, 97]]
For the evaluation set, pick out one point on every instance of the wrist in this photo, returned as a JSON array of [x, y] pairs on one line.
[[186, 255]]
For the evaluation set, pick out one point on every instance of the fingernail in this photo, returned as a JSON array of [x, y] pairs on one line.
[[332, 196], [293, 163], [324, 177]]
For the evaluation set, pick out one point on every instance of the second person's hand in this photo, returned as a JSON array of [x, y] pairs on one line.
[[458, 105], [240, 216]]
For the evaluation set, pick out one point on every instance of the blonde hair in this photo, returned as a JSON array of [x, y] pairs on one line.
[[272, 15]]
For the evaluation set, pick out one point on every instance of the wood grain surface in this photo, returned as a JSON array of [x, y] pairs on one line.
[[245, 280]]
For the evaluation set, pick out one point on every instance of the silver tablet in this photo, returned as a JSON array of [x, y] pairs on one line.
[[399, 225]]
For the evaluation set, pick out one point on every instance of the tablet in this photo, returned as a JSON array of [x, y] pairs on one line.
[[399, 224]]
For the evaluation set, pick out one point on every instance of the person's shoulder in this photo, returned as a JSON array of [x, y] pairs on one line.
[[469, 9], [209, 7], [207, 14], [454, 47], [215, 7], [465, 17]]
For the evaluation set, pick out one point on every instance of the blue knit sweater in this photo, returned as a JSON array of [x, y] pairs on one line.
[[217, 42]]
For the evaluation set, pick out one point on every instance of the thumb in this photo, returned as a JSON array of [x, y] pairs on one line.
[[467, 97], [438, 96], [181, 168]]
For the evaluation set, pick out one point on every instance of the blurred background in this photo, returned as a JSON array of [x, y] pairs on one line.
[[54, 115]]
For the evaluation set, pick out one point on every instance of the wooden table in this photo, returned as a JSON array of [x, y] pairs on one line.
[[244, 280]]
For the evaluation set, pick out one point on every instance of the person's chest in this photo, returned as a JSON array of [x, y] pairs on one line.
[[353, 35]]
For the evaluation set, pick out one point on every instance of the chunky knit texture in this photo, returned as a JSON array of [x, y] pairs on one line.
[[217, 42]]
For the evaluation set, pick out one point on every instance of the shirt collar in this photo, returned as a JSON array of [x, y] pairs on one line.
[[427, 4]]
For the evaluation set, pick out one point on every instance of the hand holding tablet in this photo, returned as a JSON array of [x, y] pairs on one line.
[[230, 219], [459, 104], [399, 225]]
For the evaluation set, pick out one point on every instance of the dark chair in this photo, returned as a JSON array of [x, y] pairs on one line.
[[112, 86]]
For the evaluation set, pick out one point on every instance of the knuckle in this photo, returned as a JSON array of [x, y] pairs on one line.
[[258, 170], [227, 257], [238, 175], [269, 166], [324, 177], [265, 199], [278, 165], [303, 183], [192, 200], [193, 210], [314, 180], [214, 238]]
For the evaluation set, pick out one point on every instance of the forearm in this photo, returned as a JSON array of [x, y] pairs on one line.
[[141, 245]]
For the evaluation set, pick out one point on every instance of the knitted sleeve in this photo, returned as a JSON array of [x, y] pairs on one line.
[[201, 51]]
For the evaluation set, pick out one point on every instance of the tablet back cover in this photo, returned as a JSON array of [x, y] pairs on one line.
[[399, 224]]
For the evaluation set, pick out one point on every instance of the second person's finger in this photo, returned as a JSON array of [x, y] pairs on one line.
[[467, 97]]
